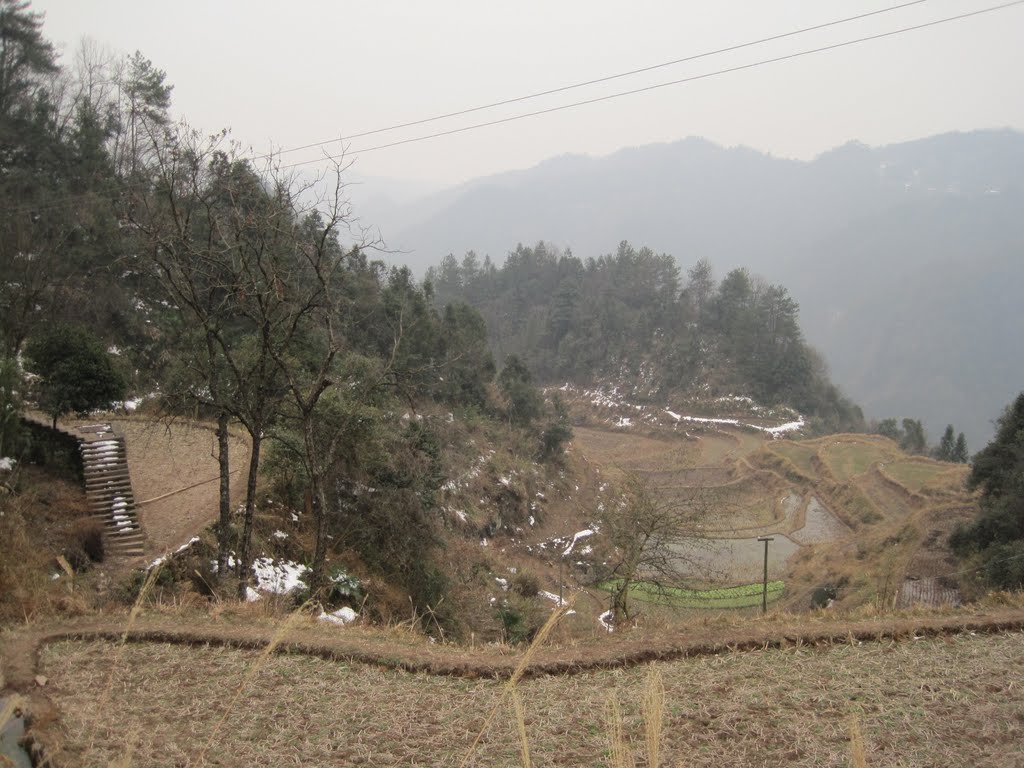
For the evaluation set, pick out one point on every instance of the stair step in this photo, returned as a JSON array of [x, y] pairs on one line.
[[118, 488], [123, 504], [135, 538], [115, 485], [105, 510], [97, 476], [129, 535], [105, 468], [107, 497], [106, 479], [134, 534], [128, 552], [100, 506], [129, 521]]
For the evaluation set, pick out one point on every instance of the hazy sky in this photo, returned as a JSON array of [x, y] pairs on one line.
[[289, 73]]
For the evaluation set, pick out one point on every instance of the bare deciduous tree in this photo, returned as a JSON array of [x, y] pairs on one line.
[[653, 538]]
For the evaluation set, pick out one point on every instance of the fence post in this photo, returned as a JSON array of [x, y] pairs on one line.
[[764, 593]]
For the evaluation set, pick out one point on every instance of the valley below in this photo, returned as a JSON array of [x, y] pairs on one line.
[[904, 675]]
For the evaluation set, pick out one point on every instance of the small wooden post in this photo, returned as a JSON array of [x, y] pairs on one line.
[[764, 592]]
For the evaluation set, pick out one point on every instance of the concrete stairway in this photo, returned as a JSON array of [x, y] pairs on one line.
[[108, 488]]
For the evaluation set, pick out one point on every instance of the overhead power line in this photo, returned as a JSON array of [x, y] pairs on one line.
[[680, 81], [595, 81], [58, 202]]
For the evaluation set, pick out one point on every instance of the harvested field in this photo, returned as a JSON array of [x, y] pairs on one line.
[[799, 455], [623, 451], [933, 701], [893, 500], [718, 447], [848, 458], [916, 474]]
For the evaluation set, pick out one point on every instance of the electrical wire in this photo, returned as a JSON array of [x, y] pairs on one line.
[[657, 86], [595, 81], [58, 202]]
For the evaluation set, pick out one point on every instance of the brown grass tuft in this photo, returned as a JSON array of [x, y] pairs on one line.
[[619, 751], [858, 752], [654, 716]]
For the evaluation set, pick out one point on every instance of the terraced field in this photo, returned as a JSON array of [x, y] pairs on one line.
[[929, 701], [833, 501]]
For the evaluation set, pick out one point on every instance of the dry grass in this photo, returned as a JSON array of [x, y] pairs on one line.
[[616, 451], [934, 701], [914, 475], [36, 524], [849, 457], [800, 455]]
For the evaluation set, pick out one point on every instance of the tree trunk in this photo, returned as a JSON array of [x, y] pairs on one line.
[[224, 527], [620, 609], [319, 502], [245, 549]]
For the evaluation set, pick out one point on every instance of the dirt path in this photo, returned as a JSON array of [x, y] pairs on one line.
[[174, 476]]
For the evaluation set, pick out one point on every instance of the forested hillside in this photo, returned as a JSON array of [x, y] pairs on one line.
[[139, 256], [632, 318], [905, 258]]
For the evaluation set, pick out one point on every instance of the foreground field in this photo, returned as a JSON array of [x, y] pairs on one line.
[[932, 701]]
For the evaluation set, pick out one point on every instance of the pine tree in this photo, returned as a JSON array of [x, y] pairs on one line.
[[960, 455], [914, 440], [946, 445]]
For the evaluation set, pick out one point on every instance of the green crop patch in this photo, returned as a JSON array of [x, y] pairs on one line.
[[741, 596]]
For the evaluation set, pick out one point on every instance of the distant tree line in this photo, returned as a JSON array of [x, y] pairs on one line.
[[910, 435], [633, 313]]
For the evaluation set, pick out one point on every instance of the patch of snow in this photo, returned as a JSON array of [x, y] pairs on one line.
[[576, 537], [702, 420], [462, 515], [182, 548], [552, 597], [791, 426], [605, 620], [280, 577], [503, 583], [279, 535], [295, 518], [341, 616], [674, 415], [252, 596], [7, 463], [623, 422]]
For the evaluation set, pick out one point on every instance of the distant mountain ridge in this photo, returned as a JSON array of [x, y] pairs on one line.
[[906, 259]]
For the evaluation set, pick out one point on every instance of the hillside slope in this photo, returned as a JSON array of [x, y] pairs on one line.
[[928, 229]]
